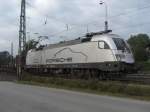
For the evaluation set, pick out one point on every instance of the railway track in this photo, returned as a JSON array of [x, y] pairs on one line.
[[140, 78]]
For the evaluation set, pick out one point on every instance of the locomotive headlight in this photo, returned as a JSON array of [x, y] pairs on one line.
[[120, 57]]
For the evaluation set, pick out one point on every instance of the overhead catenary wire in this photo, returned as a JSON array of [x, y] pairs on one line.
[[136, 10], [77, 26], [46, 16], [115, 16], [111, 17], [132, 26], [85, 25]]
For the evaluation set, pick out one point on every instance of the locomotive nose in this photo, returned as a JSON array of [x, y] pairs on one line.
[[125, 57]]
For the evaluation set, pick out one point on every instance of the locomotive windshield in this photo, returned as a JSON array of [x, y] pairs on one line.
[[121, 45]]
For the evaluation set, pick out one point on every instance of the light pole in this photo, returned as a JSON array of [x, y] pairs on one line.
[[106, 14]]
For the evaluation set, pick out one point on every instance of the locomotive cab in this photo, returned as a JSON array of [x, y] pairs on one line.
[[123, 57], [123, 52]]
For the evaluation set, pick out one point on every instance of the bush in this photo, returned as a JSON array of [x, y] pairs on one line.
[[95, 86], [133, 90]]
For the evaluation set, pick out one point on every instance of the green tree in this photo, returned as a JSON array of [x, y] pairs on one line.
[[139, 44]]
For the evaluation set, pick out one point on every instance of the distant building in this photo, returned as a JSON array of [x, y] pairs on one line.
[[4, 54], [4, 57]]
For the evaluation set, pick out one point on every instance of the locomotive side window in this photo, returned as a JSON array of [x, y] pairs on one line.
[[103, 45]]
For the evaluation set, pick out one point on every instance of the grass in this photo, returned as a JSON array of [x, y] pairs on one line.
[[120, 89]]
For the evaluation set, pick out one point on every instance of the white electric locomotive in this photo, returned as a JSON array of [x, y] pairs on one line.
[[101, 51]]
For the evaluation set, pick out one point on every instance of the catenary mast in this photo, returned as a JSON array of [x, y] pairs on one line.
[[22, 37]]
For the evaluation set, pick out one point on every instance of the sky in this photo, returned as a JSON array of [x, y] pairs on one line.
[[70, 19]]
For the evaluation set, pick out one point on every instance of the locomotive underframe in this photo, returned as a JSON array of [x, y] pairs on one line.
[[87, 71]]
